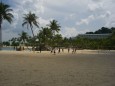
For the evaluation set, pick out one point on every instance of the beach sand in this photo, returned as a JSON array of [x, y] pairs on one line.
[[84, 68]]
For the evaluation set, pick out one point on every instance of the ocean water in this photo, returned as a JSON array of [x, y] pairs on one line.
[[8, 48]]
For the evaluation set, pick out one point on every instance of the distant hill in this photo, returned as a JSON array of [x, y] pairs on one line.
[[103, 30]]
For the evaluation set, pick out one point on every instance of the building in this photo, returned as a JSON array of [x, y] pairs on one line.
[[94, 36]]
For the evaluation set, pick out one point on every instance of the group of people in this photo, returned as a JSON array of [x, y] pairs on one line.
[[59, 50], [53, 50]]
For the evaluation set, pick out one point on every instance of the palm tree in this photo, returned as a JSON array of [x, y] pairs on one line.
[[54, 26], [23, 37], [46, 34], [30, 19], [15, 42], [58, 40], [5, 14]]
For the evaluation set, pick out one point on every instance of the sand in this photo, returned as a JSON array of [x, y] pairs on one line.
[[84, 68]]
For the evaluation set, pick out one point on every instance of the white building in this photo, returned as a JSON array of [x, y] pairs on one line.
[[94, 36]]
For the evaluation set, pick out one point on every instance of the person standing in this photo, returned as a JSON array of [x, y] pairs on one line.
[[59, 50], [68, 50]]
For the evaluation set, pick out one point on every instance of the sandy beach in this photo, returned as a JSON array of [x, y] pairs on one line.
[[84, 68]]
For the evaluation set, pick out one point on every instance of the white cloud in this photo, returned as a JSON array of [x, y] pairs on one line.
[[69, 32], [8, 35], [91, 18], [70, 16], [44, 22], [95, 6], [106, 15], [86, 20], [110, 22]]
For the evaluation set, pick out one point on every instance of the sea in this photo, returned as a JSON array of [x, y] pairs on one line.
[[8, 48]]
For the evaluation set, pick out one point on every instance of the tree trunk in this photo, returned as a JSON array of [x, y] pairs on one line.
[[33, 38], [54, 37], [32, 31], [0, 36]]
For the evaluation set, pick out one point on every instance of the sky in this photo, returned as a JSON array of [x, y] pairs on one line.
[[74, 16]]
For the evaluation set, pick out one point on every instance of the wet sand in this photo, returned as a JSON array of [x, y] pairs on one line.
[[84, 68]]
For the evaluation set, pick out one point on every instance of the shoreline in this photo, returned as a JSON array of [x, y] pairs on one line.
[[65, 52]]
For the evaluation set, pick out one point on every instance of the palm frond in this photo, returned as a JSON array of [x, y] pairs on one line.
[[5, 12], [9, 10], [36, 24], [8, 18], [30, 20], [24, 23]]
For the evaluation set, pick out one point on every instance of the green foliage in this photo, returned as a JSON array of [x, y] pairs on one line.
[[44, 35], [30, 20], [14, 42], [23, 37], [112, 39], [5, 14], [58, 40], [6, 43], [54, 27], [103, 30]]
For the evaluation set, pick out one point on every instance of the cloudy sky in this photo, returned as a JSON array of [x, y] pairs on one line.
[[74, 16]]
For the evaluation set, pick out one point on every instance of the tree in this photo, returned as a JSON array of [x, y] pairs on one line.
[[6, 43], [58, 40], [30, 19], [103, 30], [23, 36], [55, 27], [113, 29], [15, 42], [46, 35], [89, 33], [65, 42], [5, 14], [112, 39]]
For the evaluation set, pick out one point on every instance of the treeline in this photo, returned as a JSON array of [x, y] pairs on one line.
[[46, 40], [103, 30], [47, 37]]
